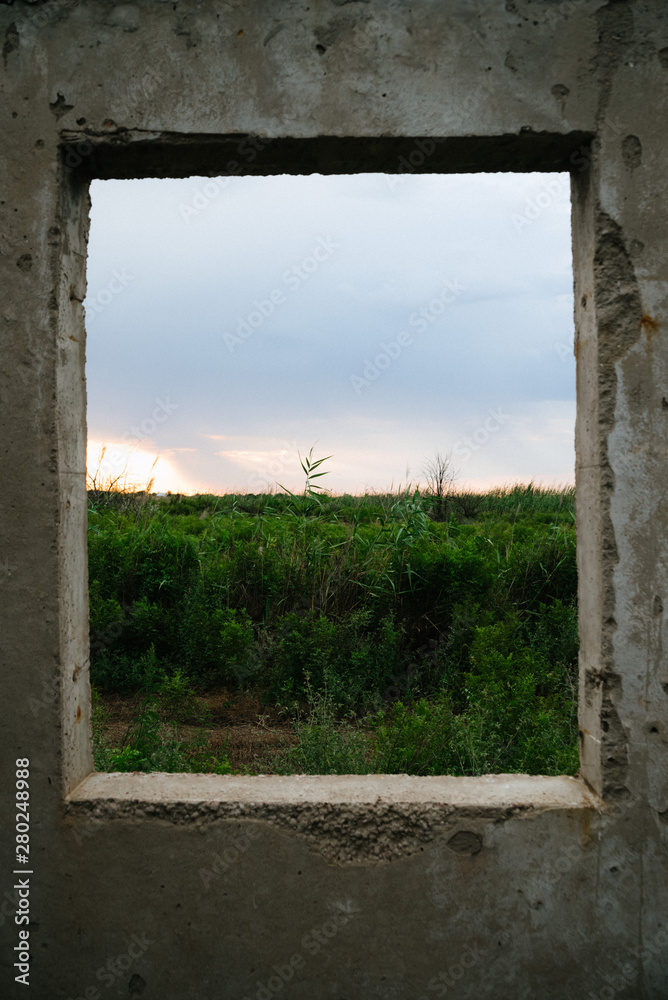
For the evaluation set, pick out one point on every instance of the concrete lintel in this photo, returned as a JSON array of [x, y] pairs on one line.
[[135, 153]]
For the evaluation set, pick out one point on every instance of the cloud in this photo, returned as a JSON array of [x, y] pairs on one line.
[[251, 459], [115, 463], [505, 339]]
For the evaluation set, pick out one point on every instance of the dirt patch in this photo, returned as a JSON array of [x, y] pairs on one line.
[[236, 725]]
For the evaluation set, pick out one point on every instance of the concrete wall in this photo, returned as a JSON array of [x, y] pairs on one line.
[[183, 888]]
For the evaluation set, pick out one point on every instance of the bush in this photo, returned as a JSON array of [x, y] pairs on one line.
[[152, 744], [526, 713], [357, 659], [324, 745], [417, 740], [113, 670], [215, 643], [468, 629]]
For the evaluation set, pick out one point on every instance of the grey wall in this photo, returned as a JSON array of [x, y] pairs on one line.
[[199, 887]]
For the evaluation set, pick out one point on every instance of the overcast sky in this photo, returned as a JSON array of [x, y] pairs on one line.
[[379, 319]]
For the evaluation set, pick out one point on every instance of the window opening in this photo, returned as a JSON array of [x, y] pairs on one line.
[[330, 467]]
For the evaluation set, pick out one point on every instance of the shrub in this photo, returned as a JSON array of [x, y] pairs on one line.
[[357, 658], [470, 627], [215, 643], [153, 744], [324, 745], [417, 740], [115, 670]]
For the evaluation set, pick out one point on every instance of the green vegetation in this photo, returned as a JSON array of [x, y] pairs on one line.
[[404, 633], [154, 741]]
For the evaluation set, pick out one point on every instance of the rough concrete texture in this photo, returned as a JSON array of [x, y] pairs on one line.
[[372, 818], [192, 889]]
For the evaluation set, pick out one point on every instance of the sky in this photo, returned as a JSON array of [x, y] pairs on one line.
[[234, 323]]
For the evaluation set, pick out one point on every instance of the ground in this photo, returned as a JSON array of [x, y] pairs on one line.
[[238, 725]]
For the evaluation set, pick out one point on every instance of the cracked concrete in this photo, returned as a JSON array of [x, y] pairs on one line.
[[347, 819]]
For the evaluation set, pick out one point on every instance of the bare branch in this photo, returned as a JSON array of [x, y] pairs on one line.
[[441, 476]]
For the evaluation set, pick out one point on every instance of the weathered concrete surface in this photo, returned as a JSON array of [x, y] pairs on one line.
[[347, 818], [143, 888]]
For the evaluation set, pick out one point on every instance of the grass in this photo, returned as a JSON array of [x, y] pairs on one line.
[[154, 740], [403, 636]]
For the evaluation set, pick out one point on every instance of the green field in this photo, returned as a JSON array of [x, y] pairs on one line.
[[399, 633]]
